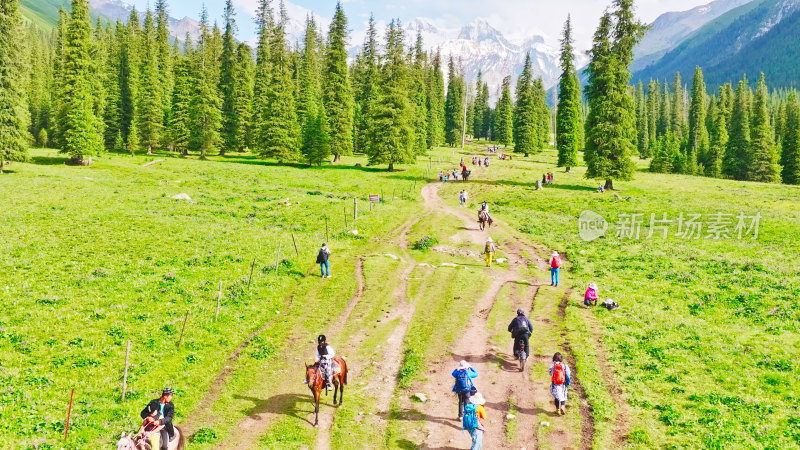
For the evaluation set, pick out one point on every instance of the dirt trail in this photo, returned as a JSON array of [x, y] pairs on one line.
[[392, 356], [499, 377]]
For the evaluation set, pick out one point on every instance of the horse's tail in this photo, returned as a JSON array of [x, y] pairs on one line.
[[344, 370], [181, 438]]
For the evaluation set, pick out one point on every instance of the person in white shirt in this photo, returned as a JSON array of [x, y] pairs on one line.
[[324, 357]]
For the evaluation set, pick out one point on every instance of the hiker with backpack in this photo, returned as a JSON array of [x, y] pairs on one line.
[[474, 415], [463, 386], [322, 259], [560, 379], [555, 267]]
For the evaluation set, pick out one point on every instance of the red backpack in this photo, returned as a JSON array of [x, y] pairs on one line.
[[559, 374], [555, 262]]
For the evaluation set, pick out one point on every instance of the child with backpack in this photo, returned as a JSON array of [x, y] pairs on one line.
[[474, 415], [463, 385], [555, 266], [560, 379], [590, 297]]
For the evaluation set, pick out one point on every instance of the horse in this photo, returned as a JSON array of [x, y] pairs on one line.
[[465, 174], [315, 381], [141, 440], [484, 219]]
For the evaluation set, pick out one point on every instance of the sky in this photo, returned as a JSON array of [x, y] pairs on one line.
[[516, 19]]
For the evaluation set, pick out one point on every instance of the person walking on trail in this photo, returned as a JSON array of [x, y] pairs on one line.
[[489, 250], [555, 267], [463, 386], [161, 411], [590, 297], [474, 417], [486, 162], [322, 259], [560, 379], [520, 328], [324, 356], [462, 198]]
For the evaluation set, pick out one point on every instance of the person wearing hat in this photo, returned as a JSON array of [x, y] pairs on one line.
[[162, 411], [489, 251], [555, 266], [591, 295], [463, 386], [480, 413], [324, 357], [322, 260]]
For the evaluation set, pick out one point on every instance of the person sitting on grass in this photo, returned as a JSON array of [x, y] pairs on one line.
[[590, 297]]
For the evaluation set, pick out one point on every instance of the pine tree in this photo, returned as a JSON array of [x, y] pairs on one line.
[[454, 105], [665, 114], [182, 93], [81, 133], [59, 103], [790, 154], [653, 105], [611, 125], [391, 136], [719, 141], [541, 114], [764, 157], [568, 112], [129, 81], [678, 119], [112, 114], [436, 102], [504, 115], [205, 106], [261, 79], [244, 68], [230, 120], [365, 85], [419, 96], [736, 161], [150, 107], [487, 113], [281, 133], [642, 122], [164, 55], [698, 144], [316, 145], [14, 114], [666, 152], [479, 108], [525, 117], [337, 95]]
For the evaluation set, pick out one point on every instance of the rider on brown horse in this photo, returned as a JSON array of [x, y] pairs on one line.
[[325, 354], [161, 411]]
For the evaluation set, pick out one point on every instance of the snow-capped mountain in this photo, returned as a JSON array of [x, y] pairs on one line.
[[482, 48]]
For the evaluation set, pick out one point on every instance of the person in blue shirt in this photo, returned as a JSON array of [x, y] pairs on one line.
[[463, 386]]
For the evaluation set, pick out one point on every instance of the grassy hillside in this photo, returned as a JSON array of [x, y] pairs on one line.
[[725, 47], [707, 338], [43, 13], [95, 256]]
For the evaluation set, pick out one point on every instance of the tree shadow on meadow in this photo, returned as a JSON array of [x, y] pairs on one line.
[[292, 405], [257, 161], [532, 184], [48, 160]]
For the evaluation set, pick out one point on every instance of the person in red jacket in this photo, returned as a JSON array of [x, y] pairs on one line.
[[555, 266]]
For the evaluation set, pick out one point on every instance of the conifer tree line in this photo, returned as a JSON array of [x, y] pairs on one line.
[[128, 86], [734, 132]]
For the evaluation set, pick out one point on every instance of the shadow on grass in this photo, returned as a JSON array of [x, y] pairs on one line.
[[285, 404], [568, 187], [48, 160], [415, 415]]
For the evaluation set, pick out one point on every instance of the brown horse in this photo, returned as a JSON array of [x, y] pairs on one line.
[[316, 380], [484, 219]]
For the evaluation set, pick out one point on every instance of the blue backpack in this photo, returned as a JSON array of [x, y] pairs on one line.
[[463, 381], [470, 421]]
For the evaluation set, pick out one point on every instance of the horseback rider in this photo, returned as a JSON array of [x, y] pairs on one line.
[[161, 411], [325, 354], [485, 210], [520, 328]]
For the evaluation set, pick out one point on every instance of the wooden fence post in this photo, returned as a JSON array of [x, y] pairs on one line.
[[219, 297], [183, 328], [69, 412], [326, 229], [252, 266], [345, 218], [125, 376], [278, 258], [297, 253], [355, 209]]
